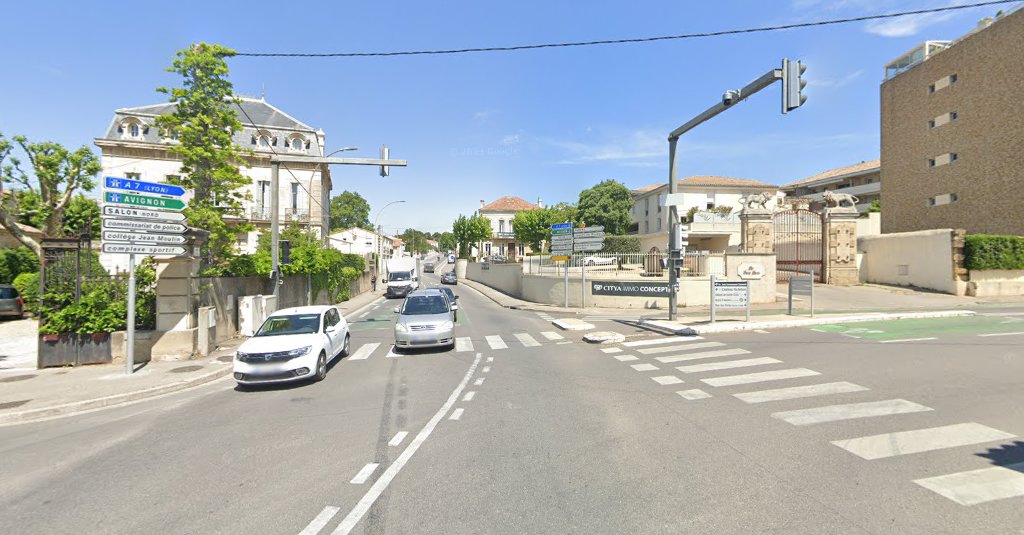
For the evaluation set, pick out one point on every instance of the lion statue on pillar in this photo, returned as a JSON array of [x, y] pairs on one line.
[[840, 200], [758, 202]]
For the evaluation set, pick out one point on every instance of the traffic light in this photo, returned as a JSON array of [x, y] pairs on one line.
[[385, 170], [793, 85]]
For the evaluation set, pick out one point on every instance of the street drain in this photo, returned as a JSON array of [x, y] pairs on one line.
[[13, 404], [16, 378], [186, 369]]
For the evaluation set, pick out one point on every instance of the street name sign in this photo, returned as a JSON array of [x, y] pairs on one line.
[[596, 228], [162, 203], [142, 237], [561, 239], [127, 212], [729, 294], [131, 248], [139, 186], [561, 226], [148, 226], [589, 247]]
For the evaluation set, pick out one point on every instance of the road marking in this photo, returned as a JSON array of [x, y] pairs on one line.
[[463, 343], [527, 340], [391, 353], [1003, 334], [363, 315], [565, 342], [365, 473], [320, 521], [364, 351], [644, 367], [729, 364], [796, 392], [849, 336], [664, 380], [749, 378], [398, 438], [496, 342], [626, 358], [849, 411], [702, 355], [696, 393], [379, 486], [820, 330], [687, 347], [611, 350], [920, 440], [908, 340], [490, 359], [469, 395], [456, 414], [658, 341], [479, 381], [978, 486], [552, 335], [486, 369], [761, 331]]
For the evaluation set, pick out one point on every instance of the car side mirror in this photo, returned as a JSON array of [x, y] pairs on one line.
[[330, 328], [384, 280], [456, 298]]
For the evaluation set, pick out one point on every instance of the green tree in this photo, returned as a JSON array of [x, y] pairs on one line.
[[606, 204], [415, 241], [469, 230], [349, 210], [82, 216], [203, 121], [57, 173], [446, 242], [532, 227]]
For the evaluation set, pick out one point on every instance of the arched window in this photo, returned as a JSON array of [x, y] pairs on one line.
[[264, 141], [297, 144], [132, 128]]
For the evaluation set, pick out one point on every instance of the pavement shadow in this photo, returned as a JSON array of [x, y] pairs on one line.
[[1008, 455]]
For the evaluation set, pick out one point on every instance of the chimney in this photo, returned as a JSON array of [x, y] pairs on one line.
[[540, 202], [482, 204]]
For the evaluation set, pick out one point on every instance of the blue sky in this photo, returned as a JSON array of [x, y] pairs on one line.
[[541, 123]]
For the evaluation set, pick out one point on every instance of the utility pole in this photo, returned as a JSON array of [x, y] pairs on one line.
[[792, 98]]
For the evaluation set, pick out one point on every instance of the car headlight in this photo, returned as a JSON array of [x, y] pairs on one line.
[[447, 325], [400, 327], [241, 356], [299, 352]]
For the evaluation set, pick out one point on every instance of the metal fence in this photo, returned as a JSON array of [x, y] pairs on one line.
[[695, 264]]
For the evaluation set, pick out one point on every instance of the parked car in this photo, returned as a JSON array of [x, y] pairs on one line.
[[11, 303], [425, 319], [293, 344], [452, 300], [599, 260], [449, 278]]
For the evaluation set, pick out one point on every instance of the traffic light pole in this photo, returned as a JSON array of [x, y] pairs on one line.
[[791, 99]]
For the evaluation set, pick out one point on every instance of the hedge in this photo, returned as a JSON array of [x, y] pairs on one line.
[[621, 245], [14, 262], [990, 251]]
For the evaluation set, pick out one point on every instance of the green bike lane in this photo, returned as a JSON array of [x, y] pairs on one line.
[[988, 325]]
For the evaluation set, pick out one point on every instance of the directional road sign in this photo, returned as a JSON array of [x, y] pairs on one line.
[[561, 225], [578, 241], [142, 237], [148, 226], [131, 248], [585, 234], [127, 212], [589, 247], [561, 232], [595, 228], [138, 186], [143, 200], [562, 239], [560, 258], [561, 252]]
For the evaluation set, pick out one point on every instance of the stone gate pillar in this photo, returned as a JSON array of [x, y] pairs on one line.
[[840, 235], [757, 231]]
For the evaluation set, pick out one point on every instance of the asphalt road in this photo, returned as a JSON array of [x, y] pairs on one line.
[[527, 432]]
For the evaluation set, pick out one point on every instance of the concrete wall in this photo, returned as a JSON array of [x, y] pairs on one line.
[[761, 290], [996, 282], [923, 259], [870, 225], [507, 278]]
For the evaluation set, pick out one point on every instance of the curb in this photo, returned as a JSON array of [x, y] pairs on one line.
[[783, 324], [108, 401]]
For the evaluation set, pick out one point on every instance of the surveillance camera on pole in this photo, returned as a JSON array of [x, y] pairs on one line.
[[793, 85], [731, 97]]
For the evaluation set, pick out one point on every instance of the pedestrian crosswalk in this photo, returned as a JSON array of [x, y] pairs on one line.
[[467, 344]]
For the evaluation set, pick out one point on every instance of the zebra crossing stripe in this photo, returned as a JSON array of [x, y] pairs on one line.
[[364, 351], [685, 347], [463, 343], [696, 393], [797, 392], [664, 380], [610, 350], [702, 355], [644, 367], [920, 440], [658, 341], [496, 342], [729, 364], [527, 340], [749, 378], [850, 411], [552, 335], [979, 486], [626, 358]]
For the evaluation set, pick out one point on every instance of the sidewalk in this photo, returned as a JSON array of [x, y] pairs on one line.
[[30, 394]]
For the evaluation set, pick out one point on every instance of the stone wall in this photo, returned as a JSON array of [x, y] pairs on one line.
[[924, 259]]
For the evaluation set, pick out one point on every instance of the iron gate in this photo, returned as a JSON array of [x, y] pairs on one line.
[[798, 244]]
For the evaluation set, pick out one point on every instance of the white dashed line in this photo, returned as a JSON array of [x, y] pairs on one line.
[[644, 367], [456, 414], [398, 438], [667, 380], [490, 359], [469, 395], [908, 340], [626, 358], [1002, 334], [696, 393], [486, 369], [320, 521], [479, 381], [365, 473]]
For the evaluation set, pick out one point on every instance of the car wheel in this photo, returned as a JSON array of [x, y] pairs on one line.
[[321, 367], [346, 347]]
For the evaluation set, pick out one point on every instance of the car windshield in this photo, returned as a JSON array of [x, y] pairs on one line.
[[8, 293], [399, 276], [290, 324], [424, 304]]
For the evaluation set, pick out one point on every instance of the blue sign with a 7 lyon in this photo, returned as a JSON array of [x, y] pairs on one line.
[[155, 188], [561, 225]]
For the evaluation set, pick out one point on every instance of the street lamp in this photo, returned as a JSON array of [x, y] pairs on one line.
[[377, 227], [309, 192]]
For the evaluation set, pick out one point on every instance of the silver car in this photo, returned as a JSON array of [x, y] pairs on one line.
[[425, 319]]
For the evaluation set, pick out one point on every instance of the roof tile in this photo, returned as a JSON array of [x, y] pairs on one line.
[[509, 204], [839, 171]]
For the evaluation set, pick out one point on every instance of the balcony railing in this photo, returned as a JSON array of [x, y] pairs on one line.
[[259, 213], [715, 222], [262, 213]]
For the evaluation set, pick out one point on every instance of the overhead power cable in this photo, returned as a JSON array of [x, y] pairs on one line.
[[719, 33]]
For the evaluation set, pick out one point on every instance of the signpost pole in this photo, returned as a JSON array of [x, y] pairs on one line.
[[790, 286], [129, 354], [567, 284], [713, 280], [583, 285], [812, 293], [275, 230], [748, 301]]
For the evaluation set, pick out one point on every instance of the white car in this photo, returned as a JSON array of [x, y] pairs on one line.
[[293, 344], [599, 260]]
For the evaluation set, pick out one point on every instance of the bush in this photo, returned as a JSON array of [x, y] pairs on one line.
[[27, 285], [989, 251], [14, 262], [621, 245]]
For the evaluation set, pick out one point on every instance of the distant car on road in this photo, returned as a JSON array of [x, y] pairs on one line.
[[599, 260], [11, 303], [449, 278], [452, 299], [428, 267], [293, 344], [425, 319]]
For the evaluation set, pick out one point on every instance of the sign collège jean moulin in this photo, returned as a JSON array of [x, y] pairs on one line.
[[630, 289]]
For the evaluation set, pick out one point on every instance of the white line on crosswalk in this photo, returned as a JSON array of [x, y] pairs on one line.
[[490, 359], [978, 486], [626, 358], [552, 335], [908, 340], [659, 341], [469, 395], [463, 343], [496, 342], [527, 340], [364, 351], [1002, 334], [479, 381], [749, 378], [667, 380], [611, 350], [486, 369], [320, 521], [797, 392], [684, 347], [364, 474], [456, 414], [702, 355], [696, 393], [729, 364], [920, 440], [398, 438], [644, 367], [849, 411]]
